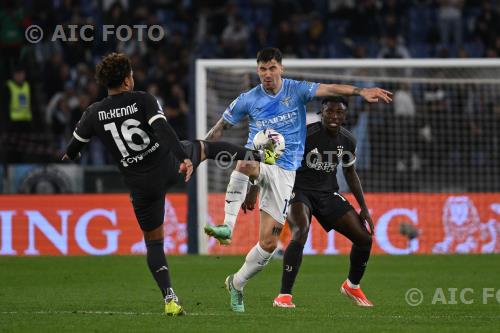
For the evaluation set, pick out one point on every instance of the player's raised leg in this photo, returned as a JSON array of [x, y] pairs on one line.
[[199, 151], [299, 217], [228, 152], [235, 195], [351, 226]]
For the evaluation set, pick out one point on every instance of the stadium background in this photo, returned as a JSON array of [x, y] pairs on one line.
[[430, 160]]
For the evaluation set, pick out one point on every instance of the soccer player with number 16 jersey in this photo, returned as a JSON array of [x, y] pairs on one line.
[[133, 128]]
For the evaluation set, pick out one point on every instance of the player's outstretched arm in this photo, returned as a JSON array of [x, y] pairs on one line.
[[216, 132], [371, 95], [352, 179]]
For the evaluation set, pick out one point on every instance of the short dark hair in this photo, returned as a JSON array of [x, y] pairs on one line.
[[268, 54], [334, 99], [112, 70]]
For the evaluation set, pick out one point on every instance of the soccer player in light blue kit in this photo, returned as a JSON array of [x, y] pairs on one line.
[[279, 104]]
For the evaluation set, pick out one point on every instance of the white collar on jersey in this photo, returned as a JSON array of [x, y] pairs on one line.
[[277, 94]]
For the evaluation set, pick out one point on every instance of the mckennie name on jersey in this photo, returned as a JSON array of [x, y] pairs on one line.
[[123, 124]]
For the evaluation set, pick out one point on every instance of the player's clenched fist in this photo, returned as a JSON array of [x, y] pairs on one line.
[[186, 167]]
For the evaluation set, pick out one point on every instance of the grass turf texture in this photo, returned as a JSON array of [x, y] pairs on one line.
[[104, 294]]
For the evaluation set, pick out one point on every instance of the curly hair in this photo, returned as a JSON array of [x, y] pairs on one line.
[[112, 70]]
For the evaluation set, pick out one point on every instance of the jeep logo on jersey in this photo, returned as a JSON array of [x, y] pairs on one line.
[[282, 119], [314, 159], [325, 166]]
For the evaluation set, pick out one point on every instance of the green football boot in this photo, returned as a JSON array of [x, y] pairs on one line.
[[220, 232], [236, 295]]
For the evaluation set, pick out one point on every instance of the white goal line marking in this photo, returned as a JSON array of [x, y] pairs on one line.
[[127, 313], [85, 312]]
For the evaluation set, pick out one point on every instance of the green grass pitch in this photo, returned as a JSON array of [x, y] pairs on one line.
[[117, 294]]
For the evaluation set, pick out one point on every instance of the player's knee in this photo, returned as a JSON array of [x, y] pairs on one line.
[[300, 233], [155, 234], [246, 167], [365, 243], [268, 245]]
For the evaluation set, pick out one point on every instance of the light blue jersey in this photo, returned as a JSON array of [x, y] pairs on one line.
[[284, 112]]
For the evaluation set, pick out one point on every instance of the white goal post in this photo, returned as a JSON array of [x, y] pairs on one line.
[[461, 71]]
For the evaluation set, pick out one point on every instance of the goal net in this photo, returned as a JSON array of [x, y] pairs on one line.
[[429, 162]]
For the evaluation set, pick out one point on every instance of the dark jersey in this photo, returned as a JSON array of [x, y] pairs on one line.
[[322, 154], [123, 123]]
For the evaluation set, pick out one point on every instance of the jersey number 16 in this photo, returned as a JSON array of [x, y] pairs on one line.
[[128, 129]]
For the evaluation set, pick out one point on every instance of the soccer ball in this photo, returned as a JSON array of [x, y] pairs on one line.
[[269, 139]]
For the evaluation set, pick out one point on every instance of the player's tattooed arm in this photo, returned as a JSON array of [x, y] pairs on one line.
[[216, 132], [370, 95], [325, 90], [356, 91]]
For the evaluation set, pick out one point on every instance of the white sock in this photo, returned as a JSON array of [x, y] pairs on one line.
[[351, 285], [235, 195], [255, 261]]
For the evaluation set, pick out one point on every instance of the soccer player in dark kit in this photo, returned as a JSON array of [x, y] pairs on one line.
[[315, 193], [133, 128]]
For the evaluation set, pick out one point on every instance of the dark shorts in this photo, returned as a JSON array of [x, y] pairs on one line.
[[147, 191], [326, 207]]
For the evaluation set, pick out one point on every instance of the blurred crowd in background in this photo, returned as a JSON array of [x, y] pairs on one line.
[[53, 82]]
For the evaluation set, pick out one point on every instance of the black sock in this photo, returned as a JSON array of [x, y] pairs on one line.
[[157, 263], [291, 264], [226, 151], [359, 258]]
